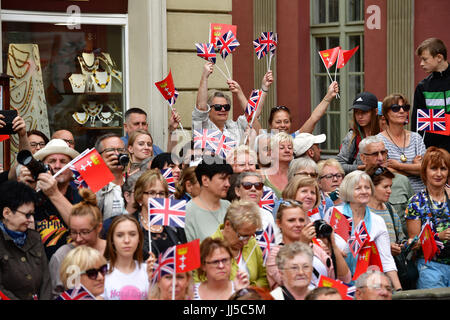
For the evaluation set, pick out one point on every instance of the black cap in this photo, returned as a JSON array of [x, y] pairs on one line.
[[365, 101]]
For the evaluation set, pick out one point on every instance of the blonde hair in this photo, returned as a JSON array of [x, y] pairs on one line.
[[82, 258], [155, 292], [330, 163], [88, 206], [241, 149], [279, 138], [241, 211]]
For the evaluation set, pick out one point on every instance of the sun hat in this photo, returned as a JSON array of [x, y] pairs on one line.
[[55, 146]]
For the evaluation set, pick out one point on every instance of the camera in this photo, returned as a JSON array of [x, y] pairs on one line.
[[36, 167], [123, 159], [323, 229]]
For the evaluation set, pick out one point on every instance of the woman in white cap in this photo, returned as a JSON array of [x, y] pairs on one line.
[[365, 124]]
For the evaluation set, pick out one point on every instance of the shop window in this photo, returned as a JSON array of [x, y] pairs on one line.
[[66, 78]]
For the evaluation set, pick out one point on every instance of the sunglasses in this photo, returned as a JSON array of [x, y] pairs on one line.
[[290, 203], [396, 107], [249, 185], [93, 273], [218, 107], [277, 108]]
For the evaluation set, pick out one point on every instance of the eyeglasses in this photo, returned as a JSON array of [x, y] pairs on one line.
[[383, 153], [243, 238], [216, 263], [296, 268], [311, 174], [118, 150], [82, 233], [336, 176], [35, 144], [218, 107], [396, 107], [378, 287], [249, 185], [93, 273], [27, 215], [153, 194]]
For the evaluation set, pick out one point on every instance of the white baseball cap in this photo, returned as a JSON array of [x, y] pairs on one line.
[[303, 141]]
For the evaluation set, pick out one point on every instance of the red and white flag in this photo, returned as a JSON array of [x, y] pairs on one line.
[[340, 223], [428, 243], [329, 56], [344, 57], [217, 30], [368, 256], [94, 170], [167, 88]]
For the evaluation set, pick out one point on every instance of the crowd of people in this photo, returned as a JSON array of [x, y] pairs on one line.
[[59, 241]]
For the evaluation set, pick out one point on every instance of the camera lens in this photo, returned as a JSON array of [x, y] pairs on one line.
[[323, 229], [123, 159]]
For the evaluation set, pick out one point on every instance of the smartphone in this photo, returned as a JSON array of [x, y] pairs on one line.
[[334, 195], [9, 116], [409, 247]]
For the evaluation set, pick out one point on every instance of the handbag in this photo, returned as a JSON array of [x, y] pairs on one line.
[[406, 267]]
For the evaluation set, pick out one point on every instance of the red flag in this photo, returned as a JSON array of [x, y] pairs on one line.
[[166, 86], [217, 30], [4, 137], [344, 56], [429, 246], [341, 287], [329, 56], [187, 256], [340, 224], [3, 296], [368, 256], [94, 170]]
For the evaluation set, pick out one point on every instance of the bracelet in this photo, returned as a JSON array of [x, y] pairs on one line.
[[327, 100], [264, 90]]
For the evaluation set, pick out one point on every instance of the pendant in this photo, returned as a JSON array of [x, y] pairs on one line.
[[403, 158]]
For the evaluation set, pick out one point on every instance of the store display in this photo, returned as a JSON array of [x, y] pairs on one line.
[[27, 89], [94, 111], [102, 81]]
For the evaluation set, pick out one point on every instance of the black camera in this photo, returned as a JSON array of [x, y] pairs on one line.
[[123, 159], [36, 167], [323, 229]]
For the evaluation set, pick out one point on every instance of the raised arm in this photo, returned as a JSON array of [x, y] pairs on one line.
[[202, 93], [321, 108]]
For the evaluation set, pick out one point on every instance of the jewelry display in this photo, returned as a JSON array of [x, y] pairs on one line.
[[78, 82], [80, 117]]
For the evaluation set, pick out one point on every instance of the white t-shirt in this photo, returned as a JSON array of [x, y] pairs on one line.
[[123, 286]]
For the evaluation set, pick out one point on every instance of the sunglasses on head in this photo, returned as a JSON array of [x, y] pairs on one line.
[[93, 273], [249, 185], [218, 107], [396, 107]]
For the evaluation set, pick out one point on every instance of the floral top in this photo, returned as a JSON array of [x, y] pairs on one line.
[[420, 206]]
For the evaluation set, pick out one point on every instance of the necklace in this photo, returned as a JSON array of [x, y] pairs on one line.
[[92, 109], [106, 74], [78, 82], [106, 117], [80, 117], [403, 157]]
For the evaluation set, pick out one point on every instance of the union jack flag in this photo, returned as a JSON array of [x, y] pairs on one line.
[[267, 201], [76, 294], [206, 51], [269, 39], [166, 212], [260, 48], [252, 104], [265, 239], [206, 138], [227, 44], [357, 240], [173, 98], [168, 176], [431, 120], [224, 146], [164, 265], [77, 179], [350, 291]]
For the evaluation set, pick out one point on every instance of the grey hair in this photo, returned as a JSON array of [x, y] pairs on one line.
[[245, 174], [302, 162], [368, 140], [347, 186], [289, 251], [218, 94], [362, 280]]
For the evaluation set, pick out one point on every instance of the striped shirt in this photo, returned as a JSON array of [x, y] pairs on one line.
[[416, 147], [390, 224]]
